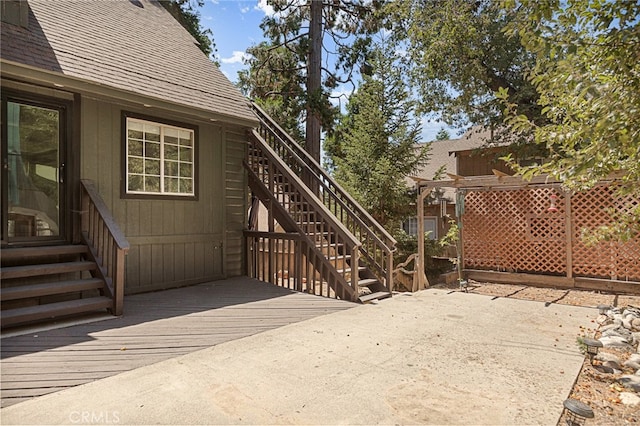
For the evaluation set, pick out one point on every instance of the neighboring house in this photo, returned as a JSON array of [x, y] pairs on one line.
[[119, 136], [470, 155], [117, 92]]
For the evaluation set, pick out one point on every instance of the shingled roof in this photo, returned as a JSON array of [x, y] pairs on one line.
[[131, 45]]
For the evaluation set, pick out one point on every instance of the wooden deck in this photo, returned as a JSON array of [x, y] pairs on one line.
[[154, 327]]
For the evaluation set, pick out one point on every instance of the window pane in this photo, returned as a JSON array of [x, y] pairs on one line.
[[152, 150], [136, 165], [185, 154], [186, 138], [152, 133], [186, 186], [185, 170], [135, 134], [136, 183], [135, 148], [152, 184], [152, 167], [171, 168], [171, 185], [170, 152]]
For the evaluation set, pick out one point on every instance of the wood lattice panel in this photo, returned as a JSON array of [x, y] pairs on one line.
[[513, 230], [615, 260]]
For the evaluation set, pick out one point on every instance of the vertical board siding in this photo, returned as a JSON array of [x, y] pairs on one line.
[[173, 242], [236, 201]]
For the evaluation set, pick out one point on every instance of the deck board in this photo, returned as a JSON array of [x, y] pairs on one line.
[[155, 327]]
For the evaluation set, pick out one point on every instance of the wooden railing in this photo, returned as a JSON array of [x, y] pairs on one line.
[[327, 246], [106, 242], [377, 245], [281, 259]]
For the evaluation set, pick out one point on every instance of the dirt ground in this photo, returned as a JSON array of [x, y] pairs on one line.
[[598, 390]]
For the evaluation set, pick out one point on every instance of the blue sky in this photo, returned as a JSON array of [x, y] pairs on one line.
[[236, 26]]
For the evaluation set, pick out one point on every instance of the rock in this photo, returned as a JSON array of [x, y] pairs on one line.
[[603, 319], [628, 398], [613, 365], [626, 323], [605, 369], [608, 327], [630, 381], [635, 324], [632, 364], [635, 358], [606, 356], [615, 342]]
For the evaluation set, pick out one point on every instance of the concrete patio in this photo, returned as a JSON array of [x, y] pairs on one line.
[[432, 357]]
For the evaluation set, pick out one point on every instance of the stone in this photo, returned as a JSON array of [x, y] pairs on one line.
[[632, 364], [615, 342], [630, 381], [608, 327], [606, 356], [626, 323], [605, 369], [613, 365], [635, 324], [603, 319], [635, 358], [628, 398]]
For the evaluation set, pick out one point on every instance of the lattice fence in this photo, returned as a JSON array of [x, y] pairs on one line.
[[517, 230]]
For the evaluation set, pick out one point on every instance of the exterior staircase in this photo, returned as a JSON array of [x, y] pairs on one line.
[[40, 283], [58, 281], [339, 250]]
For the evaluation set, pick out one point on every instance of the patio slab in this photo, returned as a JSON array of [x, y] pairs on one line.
[[433, 357]]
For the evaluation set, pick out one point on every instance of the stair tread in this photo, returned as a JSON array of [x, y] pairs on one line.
[[51, 310], [46, 269], [374, 296], [344, 270], [367, 282], [46, 289], [30, 252]]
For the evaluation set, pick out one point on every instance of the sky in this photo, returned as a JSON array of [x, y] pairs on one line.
[[235, 25]]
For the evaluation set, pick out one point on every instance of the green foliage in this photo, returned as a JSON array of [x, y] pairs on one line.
[[276, 83], [304, 84], [408, 244], [458, 56], [186, 12], [587, 74], [373, 147], [442, 135]]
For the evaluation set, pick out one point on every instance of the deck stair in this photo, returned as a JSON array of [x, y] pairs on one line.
[[42, 283], [346, 249]]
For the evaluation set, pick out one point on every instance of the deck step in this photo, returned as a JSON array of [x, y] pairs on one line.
[[52, 310], [47, 289], [19, 253], [347, 270], [367, 282], [46, 269], [374, 296]]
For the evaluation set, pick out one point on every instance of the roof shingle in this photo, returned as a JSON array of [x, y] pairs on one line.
[[119, 44]]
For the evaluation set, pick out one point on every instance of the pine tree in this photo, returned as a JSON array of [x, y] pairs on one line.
[[373, 148]]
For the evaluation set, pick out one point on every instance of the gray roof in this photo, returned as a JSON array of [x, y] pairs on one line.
[[132, 45], [442, 152]]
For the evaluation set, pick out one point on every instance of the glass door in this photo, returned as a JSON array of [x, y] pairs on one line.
[[33, 172]]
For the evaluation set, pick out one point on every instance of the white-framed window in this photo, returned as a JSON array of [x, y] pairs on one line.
[[160, 159], [410, 226]]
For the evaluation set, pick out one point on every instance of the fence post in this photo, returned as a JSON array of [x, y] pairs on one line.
[[568, 233]]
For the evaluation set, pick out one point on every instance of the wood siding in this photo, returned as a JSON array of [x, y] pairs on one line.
[[236, 195], [480, 163], [174, 242]]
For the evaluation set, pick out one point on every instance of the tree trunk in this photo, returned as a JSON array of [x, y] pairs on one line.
[[314, 80]]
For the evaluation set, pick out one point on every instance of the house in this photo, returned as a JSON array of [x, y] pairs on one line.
[[473, 154], [120, 137]]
